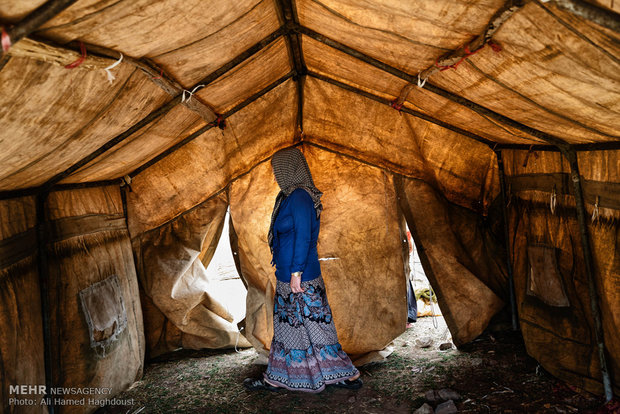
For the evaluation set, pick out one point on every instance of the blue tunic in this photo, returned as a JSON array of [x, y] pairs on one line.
[[296, 230]]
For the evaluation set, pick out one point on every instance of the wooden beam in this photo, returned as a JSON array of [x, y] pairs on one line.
[[287, 13], [50, 362], [590, 12], [511, 285], [591, 146], [588, 258], [435, 89], [36, 19], [455, 57], [417, 114]]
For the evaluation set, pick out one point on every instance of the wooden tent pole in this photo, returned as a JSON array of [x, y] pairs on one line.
[[571, 156], [43, 270], [592, 146], [287, 12], [36, 19], [511, 284]]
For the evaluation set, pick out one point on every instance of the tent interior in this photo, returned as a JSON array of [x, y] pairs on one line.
[[129, 128]]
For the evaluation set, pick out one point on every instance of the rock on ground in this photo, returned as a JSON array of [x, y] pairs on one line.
[[425, 409], [447, 407]]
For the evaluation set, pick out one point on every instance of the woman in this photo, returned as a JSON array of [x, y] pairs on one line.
[[305, 353]]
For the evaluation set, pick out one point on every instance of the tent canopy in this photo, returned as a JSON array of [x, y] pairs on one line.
[[164, 113]]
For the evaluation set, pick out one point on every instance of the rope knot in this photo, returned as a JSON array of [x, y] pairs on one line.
[[398, 106], [111, 76], [190, 93], [495, 46], [79, 60], [6, 40], [219, 122]]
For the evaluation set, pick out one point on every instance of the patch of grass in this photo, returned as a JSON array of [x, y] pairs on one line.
[[211, 382]]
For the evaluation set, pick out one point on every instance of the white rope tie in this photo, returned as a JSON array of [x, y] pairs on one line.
[[553, 201], [111, 76], [185, 91], [421, 82], [595, 212]]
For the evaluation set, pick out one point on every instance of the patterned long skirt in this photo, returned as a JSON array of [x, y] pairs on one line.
[[305, 353]]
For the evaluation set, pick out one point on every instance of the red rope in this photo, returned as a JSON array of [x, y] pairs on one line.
[[80, 60], [161, 75], [394, 104], [219, 122], [468, 53], [495, 46], [6, 41]]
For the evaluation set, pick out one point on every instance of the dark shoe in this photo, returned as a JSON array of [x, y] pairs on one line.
[[356, 384], [259, 384]]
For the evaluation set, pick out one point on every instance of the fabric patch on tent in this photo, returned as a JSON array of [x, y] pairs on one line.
[[544, 279], [104, 310]]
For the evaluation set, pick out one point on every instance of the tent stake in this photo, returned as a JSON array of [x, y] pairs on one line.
[[511, 284], [571, 156], [43, 270]]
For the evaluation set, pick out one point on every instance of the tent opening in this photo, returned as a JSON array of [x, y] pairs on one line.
[[221, 271], [422, 299]]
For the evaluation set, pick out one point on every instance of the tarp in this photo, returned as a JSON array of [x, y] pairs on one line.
[[325, 76]]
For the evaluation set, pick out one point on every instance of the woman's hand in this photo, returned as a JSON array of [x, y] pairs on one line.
[[296, 282]]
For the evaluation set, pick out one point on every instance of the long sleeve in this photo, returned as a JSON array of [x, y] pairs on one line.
[[302, 211]]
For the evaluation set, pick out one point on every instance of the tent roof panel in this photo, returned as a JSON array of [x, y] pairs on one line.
[[388, 30], [401, 143], [254, 74], [58, 116], [546, 77], [335, 64], [142, 27], [192, 62], [204, 166], [145, 144], [14, 11]]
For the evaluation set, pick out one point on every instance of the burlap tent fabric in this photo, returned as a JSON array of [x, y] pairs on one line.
[[131, 178]]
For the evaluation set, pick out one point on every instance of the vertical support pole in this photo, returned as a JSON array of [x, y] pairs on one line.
[[300, 108], [511, 284], [571, 156], [43, 268]]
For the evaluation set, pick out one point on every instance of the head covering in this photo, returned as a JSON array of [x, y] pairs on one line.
[[291, 171]]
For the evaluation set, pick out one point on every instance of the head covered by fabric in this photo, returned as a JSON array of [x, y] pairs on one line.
[[292, 172]]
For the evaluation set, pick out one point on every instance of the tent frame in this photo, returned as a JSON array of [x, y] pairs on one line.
[[293, 31]]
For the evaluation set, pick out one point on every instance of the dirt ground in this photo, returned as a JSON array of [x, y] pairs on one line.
[[492, 375]]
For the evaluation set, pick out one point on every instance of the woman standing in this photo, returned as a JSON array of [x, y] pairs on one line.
[[305, 353]]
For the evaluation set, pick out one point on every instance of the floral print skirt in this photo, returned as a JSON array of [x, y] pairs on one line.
[[305, 353]]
